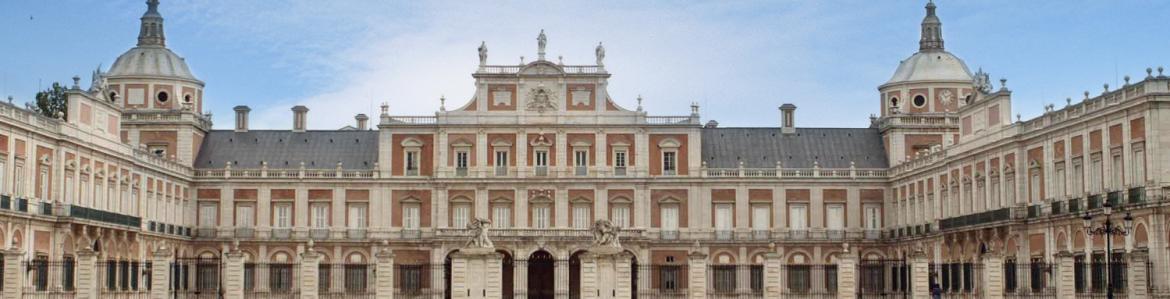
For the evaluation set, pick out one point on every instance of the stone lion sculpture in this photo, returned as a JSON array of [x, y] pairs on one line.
[[605, 234], [479, 229]]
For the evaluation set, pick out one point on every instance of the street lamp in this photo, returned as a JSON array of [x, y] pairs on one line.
[[1108, 231]]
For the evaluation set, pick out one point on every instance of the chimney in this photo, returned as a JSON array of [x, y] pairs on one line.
[[299, 115], [242, 118], [361, 121], [788, 118]]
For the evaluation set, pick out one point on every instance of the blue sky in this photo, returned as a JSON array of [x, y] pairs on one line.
[[341, 58]]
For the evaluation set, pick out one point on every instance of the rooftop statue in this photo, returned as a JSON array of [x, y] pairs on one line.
[[605, 234], [600, 52], [483, 51], [479, 229]]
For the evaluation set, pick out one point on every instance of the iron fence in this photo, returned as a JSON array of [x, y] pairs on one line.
[[735, 281], [272, 280], [809, 281], [355, 279], [196, 278], [958, 279], [660, 281], [883, 278], [122, 278], [1032, 280], [420, 281]]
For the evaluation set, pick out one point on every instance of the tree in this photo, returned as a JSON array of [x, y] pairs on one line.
[[52, 101]]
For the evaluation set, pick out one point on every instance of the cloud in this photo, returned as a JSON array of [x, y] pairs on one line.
[[724, 55]]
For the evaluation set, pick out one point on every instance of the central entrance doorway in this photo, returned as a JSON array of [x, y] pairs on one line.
[[541, 276]]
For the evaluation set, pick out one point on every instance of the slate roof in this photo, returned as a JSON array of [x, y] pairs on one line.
[[762, 147], [286, 149]]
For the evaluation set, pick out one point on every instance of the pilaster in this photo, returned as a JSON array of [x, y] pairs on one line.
[[919, 275], [384, 280], [697, 281], [1065, 284], [86, 283], [1137, 276], [476, 273], [605, 273], [233, 274], [772, 272], [309, 261], [847, 276], [13, 274], [993, 282]]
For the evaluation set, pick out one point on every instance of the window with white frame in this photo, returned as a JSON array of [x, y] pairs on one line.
[[1059, 190], [18, 184], [462, 159], [1078, 178], [320, 214], [99, 192], [501, 158], [411, 162], [619, 161], [1139, 164], [282, 215], [502, 216], [207, 214], [541, 216], [581, 218], [245, 215], [541, 158], [411, 217], [357, 215], [798, 217], [1118, 174], [44, 181], [723, 217], [761, 217], [835, 216], [460, 215], [873, 217], [1095, 172], [995, 192], [621, 215], [1034, 186], [1010, 192], [69, 188], [581, 161], [669, 217], [669, 162], [3, 174]]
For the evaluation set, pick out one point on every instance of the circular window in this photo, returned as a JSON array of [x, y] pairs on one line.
[[163, 96], [113, 95], [187, 99], [894, 102], [919, 101]]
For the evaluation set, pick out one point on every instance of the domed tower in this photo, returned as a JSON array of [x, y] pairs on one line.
[[160, 98], [919, 103]]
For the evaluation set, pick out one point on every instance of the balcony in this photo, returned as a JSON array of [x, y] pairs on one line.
[[1114, 198], [1074, 205], [975, 219], [22, 205], [5, 202], [245, 232], [1137, 195], [282, 233], [873, 234], [798, 234], [619, 171], [724, 234], [835, 234], [501, 171], [319, 233], [97, 215], [205, 232], [412, 172], [540, 171], [1035, 211], [581, 170], [411, 233], [1094, 201], [669, 235], [761, 234], [1058, 207], [355, 233], [460, 171]]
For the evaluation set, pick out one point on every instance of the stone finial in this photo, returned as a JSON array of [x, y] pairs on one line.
[[694, 107], [560, 60], [845, 247], [1086, 95], [772, 247], [235, 244], [1018, 117], [442, 103], [385, 108], [76, 82], [1003, 83], [309, 245], [1126, 80], [1068, 101], [1149, 73], [1160, 72], [639, 102], [521, 60], [1106, 85]]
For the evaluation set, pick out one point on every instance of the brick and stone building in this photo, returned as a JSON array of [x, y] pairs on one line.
[[944, 187]]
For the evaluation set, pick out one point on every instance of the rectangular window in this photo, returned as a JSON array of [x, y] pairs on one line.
[[320, 215], [761, 217], [207, 214], [244, 215], [1118, 173], [1095, 172], [621, 215], [1010, 193], [581, 162], [461, 159], [723, 217], [502, 216], [501, 158], [798, 217], [68, 187], [410, 216], [1139, 166], [835, 216], [357, 216], [282, 215], [669, 163], [18, 185], [873, 217], [1034, 187], [581, 217], [619, 158], [411, 163], [44, 187], [3, 172], [461, 213], [541, 162], [1059, 191], [541, 216], [670, 217]]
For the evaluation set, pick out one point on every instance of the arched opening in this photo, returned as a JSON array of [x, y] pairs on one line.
[[633, 276], [575, 274], [447, 275], [506, 270], [541, 275]]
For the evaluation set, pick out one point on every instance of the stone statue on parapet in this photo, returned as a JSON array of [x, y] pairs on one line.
[[479, 231], [605, 234]]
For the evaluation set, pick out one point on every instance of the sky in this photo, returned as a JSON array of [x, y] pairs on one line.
[[341, 58]]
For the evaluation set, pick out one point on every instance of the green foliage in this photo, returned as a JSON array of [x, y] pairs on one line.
[[52, 101]]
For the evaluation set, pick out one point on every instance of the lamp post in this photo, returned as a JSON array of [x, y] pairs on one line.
[[1108, 231]]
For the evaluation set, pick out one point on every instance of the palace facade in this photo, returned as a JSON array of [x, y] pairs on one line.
[[134, 175]]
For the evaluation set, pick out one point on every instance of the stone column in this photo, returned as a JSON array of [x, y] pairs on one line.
[[476, 273], [520, 278], [919, 275], [384, 274], [847, 275], [160, 272], [86, 283], [697, 275], [605, 273], [13, 273], [1137, 276], [309, 261], [1063, 277], [993, 282], [233, 274], [772, 270]]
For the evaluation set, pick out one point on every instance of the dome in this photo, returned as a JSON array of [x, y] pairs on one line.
[[931, 66], [151, 61]]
